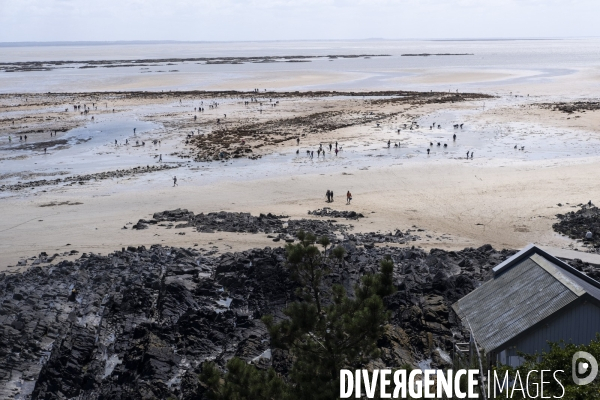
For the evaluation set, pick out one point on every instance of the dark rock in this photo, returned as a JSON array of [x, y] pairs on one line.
[[578, 224], [139, 323], [330, 213]]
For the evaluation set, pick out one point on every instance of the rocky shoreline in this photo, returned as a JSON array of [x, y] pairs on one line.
[[242, 140], [330, 213], [82, 179], [140, 322], [572, 107], [26, 66], [577, 225]]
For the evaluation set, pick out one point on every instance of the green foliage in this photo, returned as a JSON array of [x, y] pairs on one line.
[[338, 254], [341, 334], [308, 267], [559, 357], [324, 332], [243, 382]]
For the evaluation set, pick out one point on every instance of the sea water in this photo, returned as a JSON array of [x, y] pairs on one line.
[[532, 60]]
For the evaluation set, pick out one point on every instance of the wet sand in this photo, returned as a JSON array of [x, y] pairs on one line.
[[504, 197]]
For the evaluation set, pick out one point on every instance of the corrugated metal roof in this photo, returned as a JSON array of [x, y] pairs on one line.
[[525, 290], [509, 304], [591, 286]]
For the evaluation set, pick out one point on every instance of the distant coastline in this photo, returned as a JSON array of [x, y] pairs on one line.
[[437, 54]]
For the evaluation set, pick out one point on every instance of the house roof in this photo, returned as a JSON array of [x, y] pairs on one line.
[[526, 289]]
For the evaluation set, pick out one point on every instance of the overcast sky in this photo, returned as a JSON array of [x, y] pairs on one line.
[[215, 20]]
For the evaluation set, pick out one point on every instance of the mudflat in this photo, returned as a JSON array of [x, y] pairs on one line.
[[83, 173]]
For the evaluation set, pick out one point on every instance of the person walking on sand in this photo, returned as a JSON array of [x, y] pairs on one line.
[[336, 151], [389, 144], [328, 195], [160, 158], [331, 195], [467, 155], [348, 197], [175, 181], [471, 155]]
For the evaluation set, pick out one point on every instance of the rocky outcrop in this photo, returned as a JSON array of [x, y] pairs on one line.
[[82, 179], [140, 322], [330, 213], [577, 224]]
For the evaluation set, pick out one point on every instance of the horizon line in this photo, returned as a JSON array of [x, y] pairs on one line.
[[152, 41]]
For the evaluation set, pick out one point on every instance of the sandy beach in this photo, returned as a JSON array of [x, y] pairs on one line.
[[504, 196], [152, 196]]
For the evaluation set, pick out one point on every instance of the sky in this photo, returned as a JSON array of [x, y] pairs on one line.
[[244, 20]]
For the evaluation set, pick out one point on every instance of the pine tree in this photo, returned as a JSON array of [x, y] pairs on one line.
[[243, 382], [325, 331]]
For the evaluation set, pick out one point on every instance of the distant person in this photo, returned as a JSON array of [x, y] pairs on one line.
[[328, 195], [467, 155], [348, 197], [331, 195], [427, 151], [175, 181], [297, 141], [471, 155], [160, 158]]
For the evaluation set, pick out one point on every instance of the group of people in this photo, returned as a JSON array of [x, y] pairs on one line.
[[329, 196], [311, 153], [389, 143]]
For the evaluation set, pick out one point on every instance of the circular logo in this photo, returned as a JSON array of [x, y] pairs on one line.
[[584, 363]]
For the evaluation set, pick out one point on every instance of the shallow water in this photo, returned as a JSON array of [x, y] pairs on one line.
[[91, 149], [94, 141], [532, 60]]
